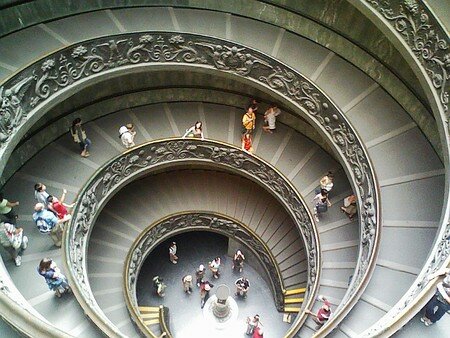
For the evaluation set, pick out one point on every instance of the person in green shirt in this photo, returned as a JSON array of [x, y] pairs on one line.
[[6, 210]]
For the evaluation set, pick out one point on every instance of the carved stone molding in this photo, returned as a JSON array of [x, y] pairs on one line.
[[152, 156], [45, 80], [198, 221]]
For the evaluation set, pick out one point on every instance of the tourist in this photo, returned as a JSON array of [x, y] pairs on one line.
[[252, 323], [127, 134], [326, 182], [55, 280], [7, 212], [205, 287], [173, 253], [195, 131], [258, 332], [324, 313], [13, 240], [59, 207], [199, 274], [254, 105], [242, 287], [238, 261], [41, 195], [187, 284], [159, 286], [214, 267], [79, 136], [270, 118], [349, 207], [440, 303], [247, 143], [249, 121], [321, 203], [48, 223]]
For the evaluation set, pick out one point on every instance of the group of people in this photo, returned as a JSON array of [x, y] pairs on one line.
[[249, 123], [321, 201], [126, 135], [50, 215], [242, 284]]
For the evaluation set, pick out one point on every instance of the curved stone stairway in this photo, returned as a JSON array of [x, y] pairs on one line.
[[294, 154], [409, 171], [148, 200]]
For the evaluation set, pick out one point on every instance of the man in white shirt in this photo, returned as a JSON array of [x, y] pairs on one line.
[[270, 118], [127, 134]]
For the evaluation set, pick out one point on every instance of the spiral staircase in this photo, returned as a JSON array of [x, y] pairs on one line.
[[379, 97]]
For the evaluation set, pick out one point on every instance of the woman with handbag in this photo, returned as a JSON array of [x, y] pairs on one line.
[[79, 136], [321, 203], [440, 303]]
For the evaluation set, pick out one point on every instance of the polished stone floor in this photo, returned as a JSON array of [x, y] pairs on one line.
[[186, 316]]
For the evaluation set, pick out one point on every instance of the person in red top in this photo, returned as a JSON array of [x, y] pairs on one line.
[[59, 206], [247, 142], [324, 312], [258, 332]]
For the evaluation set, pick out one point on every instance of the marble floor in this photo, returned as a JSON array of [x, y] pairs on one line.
[[186, 316]]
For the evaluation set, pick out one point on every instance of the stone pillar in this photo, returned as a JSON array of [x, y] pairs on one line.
[[221, 305]]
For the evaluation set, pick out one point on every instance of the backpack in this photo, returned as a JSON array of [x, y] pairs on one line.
[[322, 207], [43, 226]]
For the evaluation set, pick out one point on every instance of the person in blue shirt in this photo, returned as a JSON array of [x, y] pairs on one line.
[[55, 280], [48, 223]]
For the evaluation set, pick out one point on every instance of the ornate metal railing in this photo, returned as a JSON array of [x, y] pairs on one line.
[[426, 44], [159, 231], [154, 155]]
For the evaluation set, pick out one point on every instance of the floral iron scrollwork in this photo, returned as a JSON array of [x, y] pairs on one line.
[[196, 221], [424, 36]]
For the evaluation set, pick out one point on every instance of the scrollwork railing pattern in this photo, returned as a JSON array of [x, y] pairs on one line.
[[425, 37], [25, 93], [196, 221], [429, 42], [150, 156]]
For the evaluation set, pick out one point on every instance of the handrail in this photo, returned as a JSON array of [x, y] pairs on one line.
[[425, 44], [19, 313], [184, 221], [164, 326], [38, 86], [172, 152]]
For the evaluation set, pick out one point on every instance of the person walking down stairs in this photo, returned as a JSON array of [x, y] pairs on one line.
[[127, 134], [55, 280], [13, 240], [79, 137], [173, 253], [439, 305]]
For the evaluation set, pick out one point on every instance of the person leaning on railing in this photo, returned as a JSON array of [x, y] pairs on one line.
[[323, 314], [440, 303]]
